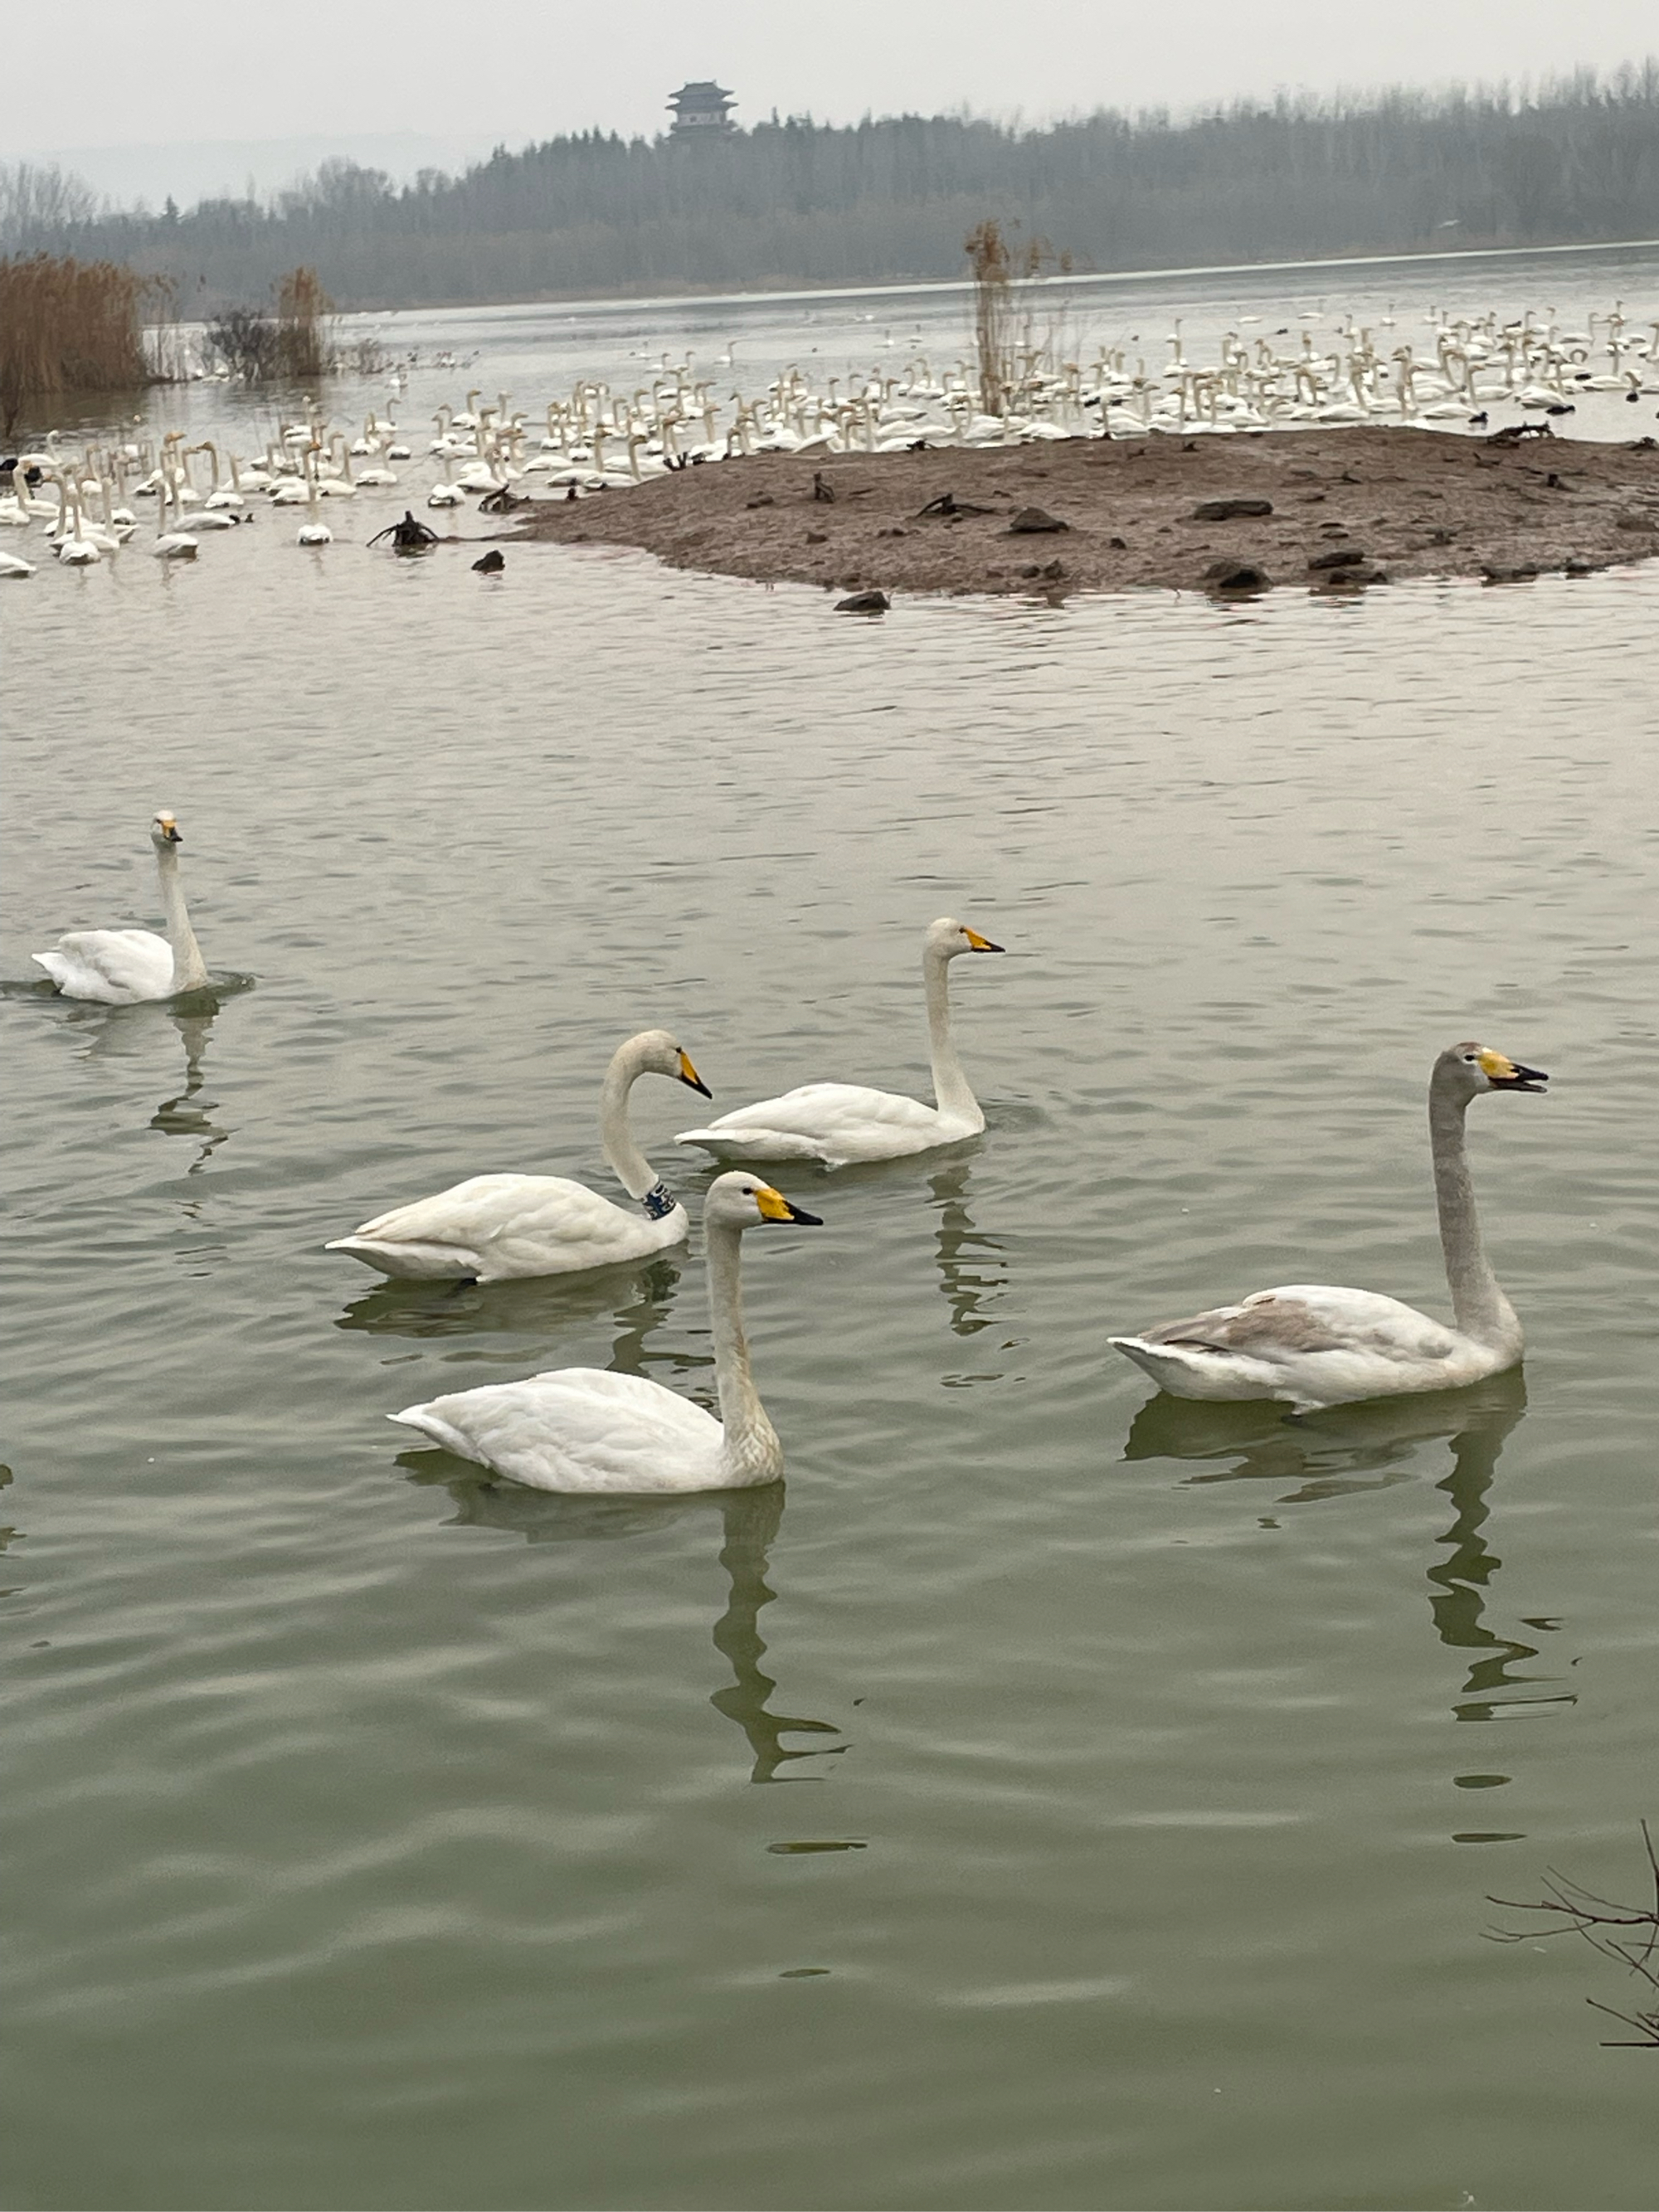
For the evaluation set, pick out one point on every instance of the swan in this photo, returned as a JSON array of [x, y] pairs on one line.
[[314, 530], [1317, 1345], [841, 1122], [495, 1226], [122, 967], [588, 1429], [170, 544]]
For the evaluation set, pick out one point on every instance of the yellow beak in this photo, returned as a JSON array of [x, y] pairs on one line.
[[689, 1074]]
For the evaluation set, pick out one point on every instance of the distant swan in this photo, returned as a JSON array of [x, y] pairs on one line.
[[588, 1429], [841, 1122], [492, 1227], [1317, 1345], [122, 967]]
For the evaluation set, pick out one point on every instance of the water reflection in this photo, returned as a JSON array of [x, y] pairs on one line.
[[1368, 1446], [186, 1114], [1462, 1581], [1371, 1446], [972, 1271], [748, 1523], [638, 1298]]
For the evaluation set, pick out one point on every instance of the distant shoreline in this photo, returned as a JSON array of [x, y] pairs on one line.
[[1348, 507], [632, 303]]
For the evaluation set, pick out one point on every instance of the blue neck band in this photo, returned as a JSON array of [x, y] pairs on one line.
[[659, 1201]]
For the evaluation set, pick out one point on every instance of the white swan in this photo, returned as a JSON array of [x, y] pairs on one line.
[[122, 967], [1317, 1345], [587, 1428], [841, 1122], [492, 1227]]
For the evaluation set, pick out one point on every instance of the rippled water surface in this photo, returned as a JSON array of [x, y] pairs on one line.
[[1048, 1797]]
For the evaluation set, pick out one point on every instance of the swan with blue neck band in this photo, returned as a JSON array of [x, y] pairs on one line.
[[495, 1227]]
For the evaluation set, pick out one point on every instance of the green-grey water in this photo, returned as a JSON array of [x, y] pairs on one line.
[[1050, 1796]]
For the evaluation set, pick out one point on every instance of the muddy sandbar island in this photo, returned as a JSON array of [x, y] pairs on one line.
[[1329, 510]]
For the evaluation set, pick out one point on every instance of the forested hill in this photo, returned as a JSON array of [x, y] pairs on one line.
[[799, 203]]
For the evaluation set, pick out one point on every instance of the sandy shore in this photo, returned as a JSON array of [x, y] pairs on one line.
[[1348, 508]]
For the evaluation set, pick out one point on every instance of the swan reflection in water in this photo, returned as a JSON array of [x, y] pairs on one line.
[[187, 1114], [100, 1033], [1371, 1445], [972, 1271], [639, 1297], [749, 1519], [748, 1522]]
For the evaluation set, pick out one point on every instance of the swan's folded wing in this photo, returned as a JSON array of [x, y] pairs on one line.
[[579, 1428], [818, 1111], [495, 1209], [110, 963], [1298, 1319]]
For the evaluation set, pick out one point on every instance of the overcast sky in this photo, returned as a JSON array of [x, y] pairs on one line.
[[173, 71]]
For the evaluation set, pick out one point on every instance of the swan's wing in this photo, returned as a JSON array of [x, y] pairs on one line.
[[115, 965], [1299, 1319], [821, 1121], [519, 1224], [579, 1428]]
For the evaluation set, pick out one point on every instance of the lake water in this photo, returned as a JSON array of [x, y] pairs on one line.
[[1050, 1796]]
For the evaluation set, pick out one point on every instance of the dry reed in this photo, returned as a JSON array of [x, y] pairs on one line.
[[996, 263], [68, 325], [302, 311]]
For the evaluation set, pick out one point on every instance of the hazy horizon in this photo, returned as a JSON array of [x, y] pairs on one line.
[[400, 90]]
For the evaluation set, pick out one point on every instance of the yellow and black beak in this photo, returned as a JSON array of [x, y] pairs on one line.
[[774, 1206], [170, 829], [1505, 1074], [689, 1076], [978, 943]]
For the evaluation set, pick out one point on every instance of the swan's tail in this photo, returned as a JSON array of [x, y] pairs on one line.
[[421, 1263], [1186, 1372], [754, 1144], [432, 1426]]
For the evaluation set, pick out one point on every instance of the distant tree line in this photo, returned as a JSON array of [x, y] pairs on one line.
[[798, 202]]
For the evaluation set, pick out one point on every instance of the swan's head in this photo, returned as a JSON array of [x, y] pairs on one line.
[[655, 1052], [164, 830], [739, 1200], [945, 938], [1469, 1068]]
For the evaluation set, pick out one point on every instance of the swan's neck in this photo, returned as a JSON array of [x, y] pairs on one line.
[[751, 1451], [951, 1091], [189, 969], [1482, 1311], [628, 1162]]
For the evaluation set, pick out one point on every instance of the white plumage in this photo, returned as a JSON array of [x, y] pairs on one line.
[[123, 966], [585, 1429], [840, 1123], [492, 1227]]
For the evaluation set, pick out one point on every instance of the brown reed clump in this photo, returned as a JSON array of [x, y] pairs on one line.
[[302, 311], [68, 325], [996, 263]]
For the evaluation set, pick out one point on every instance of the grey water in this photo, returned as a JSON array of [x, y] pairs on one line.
[[1049, 1794]]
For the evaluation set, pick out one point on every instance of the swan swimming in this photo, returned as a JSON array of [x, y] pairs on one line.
[[492, 1227], [125, 967], [1318, 1344], [841, 1122], [589, 1429]]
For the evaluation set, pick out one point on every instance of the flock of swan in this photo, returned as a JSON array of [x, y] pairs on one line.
[[1310, 1345], [599, 439]]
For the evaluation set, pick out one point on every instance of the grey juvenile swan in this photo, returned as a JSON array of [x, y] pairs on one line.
[[1318, 1344]]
